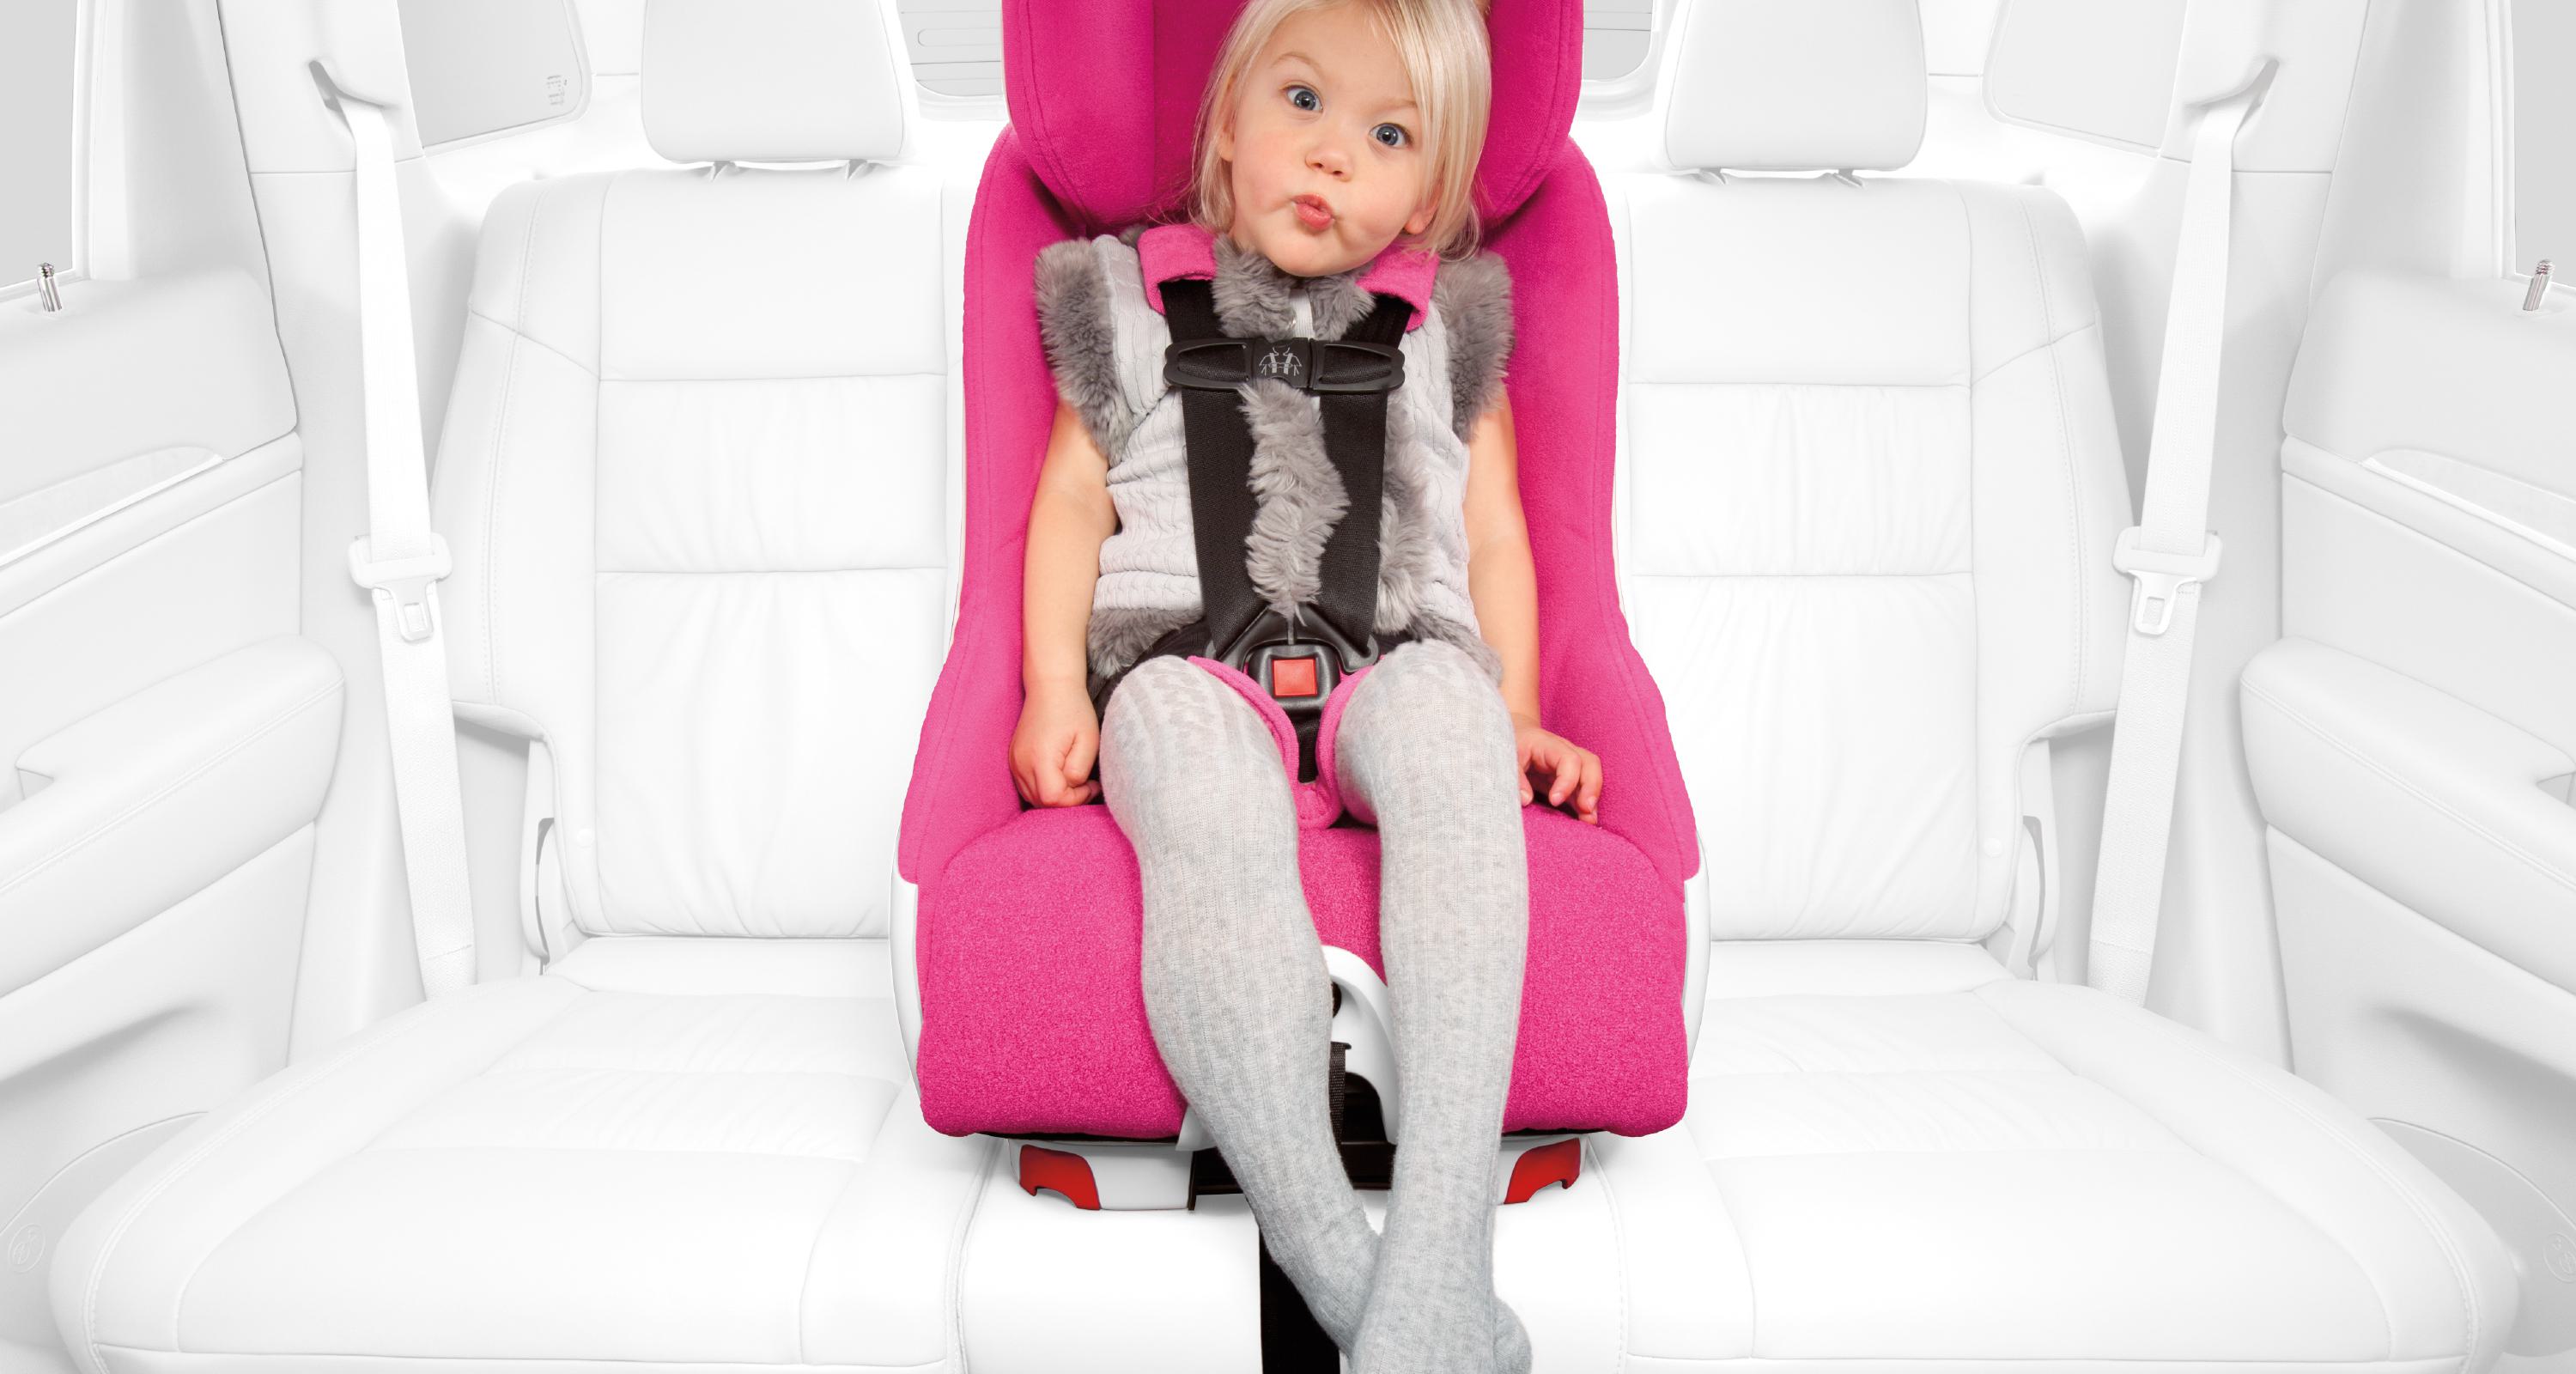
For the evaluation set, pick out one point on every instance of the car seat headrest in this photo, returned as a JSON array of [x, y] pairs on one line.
[[1793, 85], [774, 80], [1103, 94]]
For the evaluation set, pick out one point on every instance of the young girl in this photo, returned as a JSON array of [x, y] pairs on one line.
[[1336, 157]]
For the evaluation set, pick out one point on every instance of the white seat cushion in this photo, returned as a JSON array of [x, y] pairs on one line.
[[1944, 1164], [673, 1154]]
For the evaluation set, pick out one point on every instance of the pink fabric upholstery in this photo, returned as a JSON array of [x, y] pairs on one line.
[[1034, 1018], [1098, 123]]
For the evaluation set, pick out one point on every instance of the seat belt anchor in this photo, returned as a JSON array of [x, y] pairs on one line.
[[2160, 577], [406, 580]]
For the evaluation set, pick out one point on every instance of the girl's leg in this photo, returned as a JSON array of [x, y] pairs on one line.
[[1235, 987], [1426, 750]]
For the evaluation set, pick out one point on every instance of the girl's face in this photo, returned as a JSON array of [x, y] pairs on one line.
[[1323, 146]]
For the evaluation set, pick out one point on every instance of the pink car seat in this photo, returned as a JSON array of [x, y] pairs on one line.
[[1032, 1016]]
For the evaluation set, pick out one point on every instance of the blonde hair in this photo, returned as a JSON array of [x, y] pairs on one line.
[[1442, 45]]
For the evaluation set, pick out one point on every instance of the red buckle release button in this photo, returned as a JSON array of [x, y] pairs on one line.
[[1293, 677]]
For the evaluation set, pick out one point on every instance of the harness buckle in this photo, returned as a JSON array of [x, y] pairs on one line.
[[1298, 661], [2160, 578], [406, 581]]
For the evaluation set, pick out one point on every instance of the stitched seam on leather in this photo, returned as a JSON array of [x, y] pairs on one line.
[[155, 798], [2335, 1133], [952, 1299], [1744, 1250], [2058, 1071], [2033, 1041], [180, 1294], [2066, 465], [585, 369], [326, 1070], [814, 1245], [889, 376], [1618, 1246], [1962, 384], [500, 455], [2044, 345], [581, 863], [339, 1360], [685, 1073], [763, 572], [2402, 784], [2423, 1215]]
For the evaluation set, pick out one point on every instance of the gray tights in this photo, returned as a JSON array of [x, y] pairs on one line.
[[1239, 1002]]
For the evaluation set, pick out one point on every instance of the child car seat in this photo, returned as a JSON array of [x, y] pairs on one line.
[[1030, 1016]]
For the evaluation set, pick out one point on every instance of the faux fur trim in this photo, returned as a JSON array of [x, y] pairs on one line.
[[1119, 634], [1254, 296], [1439, 627], [1299, 494], [1474, 299], [1081, 346]]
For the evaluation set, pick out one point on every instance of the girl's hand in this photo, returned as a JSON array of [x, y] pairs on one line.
[[1052, 750], [1571, 773]]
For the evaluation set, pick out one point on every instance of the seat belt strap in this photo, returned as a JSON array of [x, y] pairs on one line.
[[401, 560], [2168, 555]]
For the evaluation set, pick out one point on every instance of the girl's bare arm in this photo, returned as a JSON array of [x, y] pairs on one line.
[[1059, 734], [1502, 580]]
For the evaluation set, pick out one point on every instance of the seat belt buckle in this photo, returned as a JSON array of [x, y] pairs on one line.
[[2160, 578], [406, 580]]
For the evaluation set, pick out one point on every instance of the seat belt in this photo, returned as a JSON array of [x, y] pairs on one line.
[[2168, 554], [401, 559]]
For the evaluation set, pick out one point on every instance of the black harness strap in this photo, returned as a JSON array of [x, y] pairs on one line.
[[1220, 451], [1355, 437], [1351, 377]]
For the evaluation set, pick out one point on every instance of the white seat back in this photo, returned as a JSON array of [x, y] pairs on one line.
[[1870, 488], [694, 475]]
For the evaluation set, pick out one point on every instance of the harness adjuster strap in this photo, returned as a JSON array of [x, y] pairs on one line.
[[2160, 577], [1321, 367]]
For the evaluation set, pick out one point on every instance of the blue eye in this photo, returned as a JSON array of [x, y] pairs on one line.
[[1392, 135], [1304, 98]]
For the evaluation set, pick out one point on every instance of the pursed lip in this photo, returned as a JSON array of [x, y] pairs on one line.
[[1313, 211]]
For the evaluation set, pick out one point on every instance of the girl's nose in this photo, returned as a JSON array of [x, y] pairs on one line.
[[1328, 158]]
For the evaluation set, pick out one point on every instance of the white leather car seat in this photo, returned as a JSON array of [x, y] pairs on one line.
[[694, 475], [1871, 488]]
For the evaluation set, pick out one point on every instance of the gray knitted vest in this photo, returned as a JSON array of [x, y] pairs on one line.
[[1105, 343]]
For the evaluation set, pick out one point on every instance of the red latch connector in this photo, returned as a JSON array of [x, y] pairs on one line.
[[1066, 1173], [1561, 1162]]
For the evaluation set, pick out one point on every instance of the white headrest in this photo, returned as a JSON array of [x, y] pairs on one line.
[[1794, 85], [773, 81]]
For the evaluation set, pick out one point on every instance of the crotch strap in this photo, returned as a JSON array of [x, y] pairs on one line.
[[1319, 802]]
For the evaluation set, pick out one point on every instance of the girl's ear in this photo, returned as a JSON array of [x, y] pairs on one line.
[[1421, 220], [1225, 134]]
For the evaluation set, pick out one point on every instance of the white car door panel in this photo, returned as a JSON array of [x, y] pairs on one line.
[[166, 739], [2413, 743], [2454, 812], [146, 802]]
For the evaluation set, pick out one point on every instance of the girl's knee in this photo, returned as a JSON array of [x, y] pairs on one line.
[[1432, 685], [1175, 733]]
